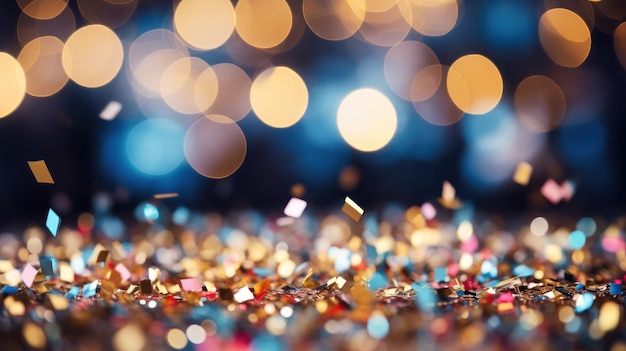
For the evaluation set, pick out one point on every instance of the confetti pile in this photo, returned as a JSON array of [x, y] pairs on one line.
[[426, 277]]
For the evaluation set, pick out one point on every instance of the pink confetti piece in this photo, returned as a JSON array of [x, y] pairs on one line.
[[506, 297], [295, 207], [428, 211], [556, 193], [470, 245], [191, 284], [123, 271], [28, 275]]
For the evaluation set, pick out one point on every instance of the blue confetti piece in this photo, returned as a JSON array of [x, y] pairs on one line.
[[47, 265], [370, 252], [580, 286], [74, 291], [489, 270], [262, 272], [89, 290], [10, 290], [379, 280], [441, 274], [584, 302], [523, 271], [615, 288], [426, 299], [53, 221]]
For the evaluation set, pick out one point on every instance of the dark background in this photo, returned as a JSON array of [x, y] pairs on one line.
[[85, 154]]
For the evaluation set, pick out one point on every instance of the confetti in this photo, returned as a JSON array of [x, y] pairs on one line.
[[165, 195], [89, 290], [448, 197], [191, 284], [123, 271], [295, 207], [53, 221], [41, 172], [242, 295], [353, 210], [522, 173], [28, 275], [111, 110], [556, 193]]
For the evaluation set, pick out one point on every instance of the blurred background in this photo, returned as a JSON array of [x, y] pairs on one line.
[[236, 105]]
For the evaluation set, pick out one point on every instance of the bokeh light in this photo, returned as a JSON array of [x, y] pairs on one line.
[[189, 85], [263, 24], [619, 43], [430, 17], [334, 19], [385, 28], [60, 26], [111, 13], [474, 84], [215, 149], [408, 70], [155, 146], [42, 64], [565, 37], [204, 25], [539, 103], [93, 56], [279, 97], [438, 109], [233, 94], [366, 119], [42, 9], [13, 87]]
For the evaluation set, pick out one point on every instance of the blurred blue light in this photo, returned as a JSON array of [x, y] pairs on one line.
[[111, 227], [181, 215], [586, 225], [378, 326], [155, 146], [583, 143], [146, 211], [510, 25], [576, 239]]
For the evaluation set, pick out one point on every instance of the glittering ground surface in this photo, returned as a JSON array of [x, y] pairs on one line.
[[422, 278]]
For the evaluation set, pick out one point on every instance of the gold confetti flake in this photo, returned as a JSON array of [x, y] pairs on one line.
[[165, 195], [41, 172], [522, 173], [448, 197], [353, 210]]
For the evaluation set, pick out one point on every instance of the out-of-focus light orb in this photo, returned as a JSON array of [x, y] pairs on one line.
[[576, 240], [334, 19], [42, 9], [93, 56], [189, 85], [407, 70], [146, 212], [430, 17], [263, 24], [41, 61], [539, 226], [583, 8], [215, 149], [13, 87], [385, 28], [233, 95], [437, 109], [196, 334], [129, 338], [539, 103], [111, 13], [61, 26], [204, 25], [619, 42], [377, 325], [474, 84], [586, 225], [155, 146], [149, 56], [279, 97], [565, 37], [367, 119], [176, 338]]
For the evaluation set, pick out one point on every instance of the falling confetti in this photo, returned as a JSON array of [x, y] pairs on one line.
[[295, 207], [41, 172], [353, 210], [53, 221]]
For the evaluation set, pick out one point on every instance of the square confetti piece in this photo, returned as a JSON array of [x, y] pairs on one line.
[[28, 275], [522, 173], [41, 172], [102, 256], [123, 271], [89, 290], [46, 265], [353, 210], [53, 222], [191, 284], [295, 207], [111, 110]]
